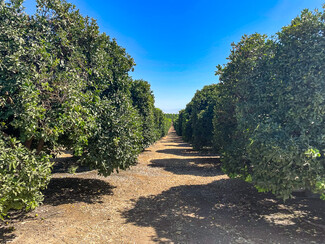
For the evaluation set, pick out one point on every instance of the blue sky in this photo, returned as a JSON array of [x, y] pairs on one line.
[[177, 44]]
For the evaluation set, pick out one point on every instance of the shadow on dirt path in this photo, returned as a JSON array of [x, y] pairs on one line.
[[223, 211], [183, 160], [72, 190], [60, 191], [7, 230], [226, 211], [6, 234], [173, 195], [190, 166]]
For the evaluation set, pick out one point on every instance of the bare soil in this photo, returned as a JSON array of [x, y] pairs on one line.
[[173, 195]]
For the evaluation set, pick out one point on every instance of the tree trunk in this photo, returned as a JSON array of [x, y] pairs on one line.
[[40, 146], [28, 143]]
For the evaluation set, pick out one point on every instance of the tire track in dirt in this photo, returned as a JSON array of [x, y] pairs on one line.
[[173, 195]]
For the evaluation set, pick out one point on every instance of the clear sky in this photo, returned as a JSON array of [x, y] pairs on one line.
[[177, 44]]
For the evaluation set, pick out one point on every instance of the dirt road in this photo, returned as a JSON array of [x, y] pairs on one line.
[[173, 195]]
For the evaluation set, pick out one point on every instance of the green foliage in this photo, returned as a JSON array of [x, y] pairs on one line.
[[178, 123], [72, 169], [143, 101], [287, 143], [237, 82], [278, 100], [42, 76], [183, 125], [269, 111], [65, 84], [116, 140], [22, 175], [162, 124], [203, 104], [195, 122], [154, 123], [173, 117]]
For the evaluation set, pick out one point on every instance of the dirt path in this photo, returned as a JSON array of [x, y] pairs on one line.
[[173, 195]]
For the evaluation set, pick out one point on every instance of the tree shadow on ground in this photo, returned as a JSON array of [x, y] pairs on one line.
[[7, 225], [172, 138], [6, 233], [59, 191], [187, 152], [178, 145], [190, 166], [71, 190], [62, 165], [227, 211], [185, 149]]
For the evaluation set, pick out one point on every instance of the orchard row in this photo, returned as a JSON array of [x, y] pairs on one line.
[[65, 85], [266, 117]]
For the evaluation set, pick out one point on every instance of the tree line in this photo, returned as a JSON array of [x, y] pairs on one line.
[[266, 116], [64, 84]]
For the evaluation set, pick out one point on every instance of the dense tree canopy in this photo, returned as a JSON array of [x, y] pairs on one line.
[[236, 84], [162, 123], [63, 84], [269, 113], [195, 122], [143, 101]]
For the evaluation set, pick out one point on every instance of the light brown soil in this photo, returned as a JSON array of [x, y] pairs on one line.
[[173, 195]]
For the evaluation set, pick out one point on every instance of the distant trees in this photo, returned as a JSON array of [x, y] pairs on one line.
[[269, 109], [65, 84], [154, 123], [162, 123], [143, 101], [173, 117], [195, 122]]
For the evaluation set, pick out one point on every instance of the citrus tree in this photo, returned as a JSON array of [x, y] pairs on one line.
[[63, 84]]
